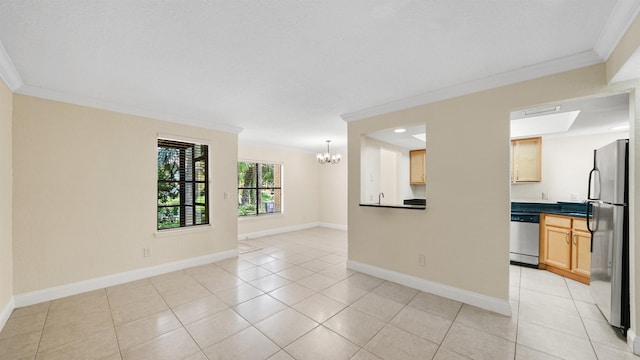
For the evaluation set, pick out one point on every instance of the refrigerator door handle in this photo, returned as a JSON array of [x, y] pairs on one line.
[[594, 183], [589, 219], [592, 180], [593, 216]]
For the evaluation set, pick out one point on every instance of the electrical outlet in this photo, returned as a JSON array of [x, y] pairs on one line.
[[147, 252], [421, 260], [574, 196]]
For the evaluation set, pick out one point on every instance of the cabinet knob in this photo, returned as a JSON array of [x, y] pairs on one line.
[[566, 236]]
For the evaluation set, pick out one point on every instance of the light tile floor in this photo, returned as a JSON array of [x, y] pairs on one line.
[[295, 299]]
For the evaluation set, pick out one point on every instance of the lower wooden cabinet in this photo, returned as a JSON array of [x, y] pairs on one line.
[[565, 247], [558, 252], [581, 248]]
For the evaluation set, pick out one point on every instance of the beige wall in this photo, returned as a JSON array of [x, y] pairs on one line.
[[301, 190], [6, 179], [464, 233], [566, 162], [333, 194], [85, 194]]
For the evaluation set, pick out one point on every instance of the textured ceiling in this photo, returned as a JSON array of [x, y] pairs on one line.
[[285, 71]]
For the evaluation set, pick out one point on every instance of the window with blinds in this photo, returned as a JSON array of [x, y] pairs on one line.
[[183, 184]]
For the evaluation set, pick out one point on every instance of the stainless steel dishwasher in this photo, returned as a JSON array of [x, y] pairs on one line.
[[524, 239]]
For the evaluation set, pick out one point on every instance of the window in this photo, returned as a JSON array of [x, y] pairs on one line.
[[259, 188], [183, 184]]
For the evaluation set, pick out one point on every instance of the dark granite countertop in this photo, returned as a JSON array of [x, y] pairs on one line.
[[574, 209], [396, 206]]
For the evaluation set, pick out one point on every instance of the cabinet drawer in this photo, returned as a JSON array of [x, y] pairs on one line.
[[558, 221], [580, 224]]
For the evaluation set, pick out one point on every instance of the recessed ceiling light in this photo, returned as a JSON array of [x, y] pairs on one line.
[[400, 130]]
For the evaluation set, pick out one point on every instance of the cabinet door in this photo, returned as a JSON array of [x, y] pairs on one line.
[[526, 160], [558, 247], [417, 164], [581, 252]]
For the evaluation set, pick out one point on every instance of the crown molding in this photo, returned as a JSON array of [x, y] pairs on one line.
[[8, 71], [125, 109], [621, 18], [559, 65]]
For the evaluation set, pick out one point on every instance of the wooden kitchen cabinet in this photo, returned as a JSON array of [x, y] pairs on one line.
[[526, 157], [581, 248], [417, 166], [558, 247], [565, 247]]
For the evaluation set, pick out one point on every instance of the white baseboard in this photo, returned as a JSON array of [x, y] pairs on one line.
[[275, 231], [633, 341], [38, 296], [333, 226], [6, 312], [287, 229], [499, 306]]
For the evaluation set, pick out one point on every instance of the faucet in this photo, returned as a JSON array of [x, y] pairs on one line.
[[379, 196]]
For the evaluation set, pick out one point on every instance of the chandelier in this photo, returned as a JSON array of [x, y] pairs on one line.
[[327, 157]]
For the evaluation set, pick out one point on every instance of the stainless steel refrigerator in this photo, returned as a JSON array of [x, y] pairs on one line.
[[608, 222]]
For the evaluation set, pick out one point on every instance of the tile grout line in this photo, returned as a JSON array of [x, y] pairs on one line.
[[229, 307], [42, 332], [573, 300], [268, 293], [315, 293], [449, 329], [515, 349], [292, 308], [321, 293], [176, 316], [377, 332], [106, 294]]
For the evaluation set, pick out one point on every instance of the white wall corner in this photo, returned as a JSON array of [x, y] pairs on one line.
[[6, 312], [38, 296], [502, 307], [8, 71], [633, 341], [276, 231]]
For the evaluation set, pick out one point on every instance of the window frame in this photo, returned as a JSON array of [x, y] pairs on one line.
[[258, 188], [182, 144]]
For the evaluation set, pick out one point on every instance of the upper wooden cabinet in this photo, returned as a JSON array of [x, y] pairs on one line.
[[526, 157], [417, 164]]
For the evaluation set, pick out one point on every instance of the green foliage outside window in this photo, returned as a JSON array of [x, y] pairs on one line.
[[259, 188], [182, 184]]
